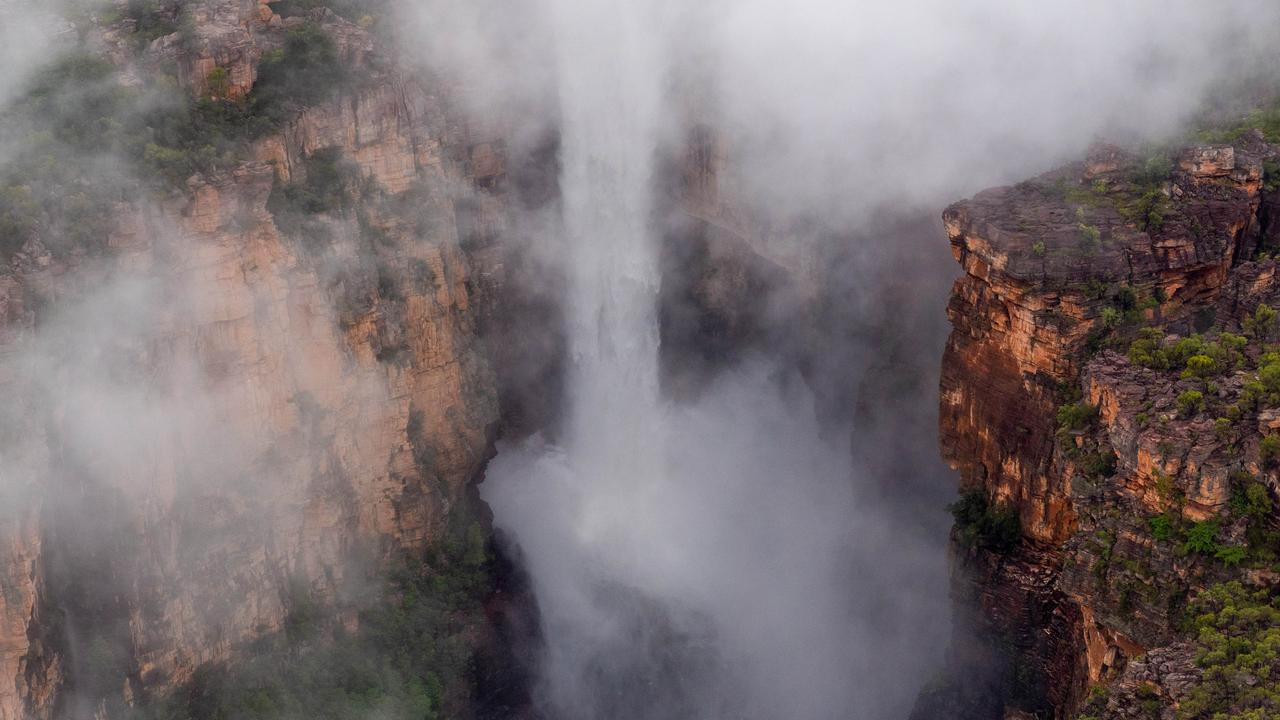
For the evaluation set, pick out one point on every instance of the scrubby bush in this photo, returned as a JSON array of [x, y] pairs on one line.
[[1090, 237], [1223, 428], [153, 19], [1261, 324], [1190, 402], [1257, 500], [219, 82], [1269, 449], [1200, 366], [1231, 554], [413, 650], [1148, 211], [306, 71], [1162, 527], [980, 524], [363, 12], [1155, 168], [1195, 356], [1098, 465], [1148, 350], [1237, 634], [1076, 416], [1202, 538], [329, 184], [54, 185]]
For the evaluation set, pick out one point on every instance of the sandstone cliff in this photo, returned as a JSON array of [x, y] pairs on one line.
[[1099, 482], [225, 415]]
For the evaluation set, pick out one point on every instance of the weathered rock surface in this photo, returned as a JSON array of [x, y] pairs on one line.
[[309, 416], [1052, 267]]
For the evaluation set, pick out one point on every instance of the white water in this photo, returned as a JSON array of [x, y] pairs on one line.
[[571, 507], [609, 69], [688, 561]]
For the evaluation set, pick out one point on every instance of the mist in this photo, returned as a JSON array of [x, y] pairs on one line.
[[774, 544], [762, 534]]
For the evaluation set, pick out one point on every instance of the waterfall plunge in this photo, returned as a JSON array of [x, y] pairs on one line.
[[572, 508], [699, 561]]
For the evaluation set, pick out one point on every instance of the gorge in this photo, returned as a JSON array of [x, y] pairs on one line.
[[589, 359]]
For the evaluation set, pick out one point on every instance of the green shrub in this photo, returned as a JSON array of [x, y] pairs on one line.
[[153, 19], [306, 71], [1249, 498], [1258, 500], [1098, 465], [1230, 554], [1223, 428], [1076, 416], [357, 11], [1149, 211], [1110, 317], [1261, 324], [1166, 488], [1148, 350], [1237, 634], [329, 184], [1195, 356], [54, 185], [219, 82], [1201, 366], [19, 218], [1090, 237], [1190, 402], [979, 524], [1162, 527], [415, 648], [1270, 449], [1156, 168], [1202, 538]]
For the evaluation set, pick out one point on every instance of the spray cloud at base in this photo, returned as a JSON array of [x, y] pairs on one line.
[[689, 559], [722, 553]]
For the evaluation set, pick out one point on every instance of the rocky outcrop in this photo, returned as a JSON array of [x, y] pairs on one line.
[[1043, 417], [228, 414]]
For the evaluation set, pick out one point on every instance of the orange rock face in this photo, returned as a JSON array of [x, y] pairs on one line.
[[277, 416], [1046, 265]]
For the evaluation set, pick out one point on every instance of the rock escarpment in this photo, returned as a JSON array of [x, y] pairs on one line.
[[1096, 400], [233, 408]]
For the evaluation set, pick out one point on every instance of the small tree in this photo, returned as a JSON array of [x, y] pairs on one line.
[[1200, 366], [1091, 237], [1270, 449], [1262, 323], [219, 83], [1190, 402], [1202, 538]]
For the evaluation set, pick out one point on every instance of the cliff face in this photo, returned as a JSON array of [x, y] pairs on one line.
[[1053, 423], [319, 397]]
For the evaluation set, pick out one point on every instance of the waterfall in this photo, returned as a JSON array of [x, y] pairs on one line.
[[609, 93], [702, 560], [572, 508]]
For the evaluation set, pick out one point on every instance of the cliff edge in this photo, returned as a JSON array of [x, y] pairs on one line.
[[1106, 397]]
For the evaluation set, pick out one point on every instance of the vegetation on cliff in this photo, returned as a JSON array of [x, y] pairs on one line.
[[57, 185], [104, 134], [982, 523], [84, 140], [1237, 634], [1115, 371], [413, 651]]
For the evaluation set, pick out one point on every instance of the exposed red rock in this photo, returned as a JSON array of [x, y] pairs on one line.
[[1047, 263]]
